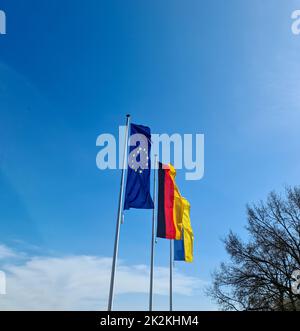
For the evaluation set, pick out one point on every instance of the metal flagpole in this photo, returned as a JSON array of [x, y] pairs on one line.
[[119, 219], [171, 275], [153, 237]]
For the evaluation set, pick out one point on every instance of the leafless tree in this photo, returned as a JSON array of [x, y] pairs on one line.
[[258, 276]]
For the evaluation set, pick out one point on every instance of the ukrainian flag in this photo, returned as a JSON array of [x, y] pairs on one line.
[[183, 249]]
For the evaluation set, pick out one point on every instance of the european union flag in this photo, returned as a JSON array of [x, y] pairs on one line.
[[137, 194]]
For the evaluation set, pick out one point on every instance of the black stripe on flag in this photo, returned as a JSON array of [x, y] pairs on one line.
[[161, 219]]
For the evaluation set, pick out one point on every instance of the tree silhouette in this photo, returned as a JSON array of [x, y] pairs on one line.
[[259, 274]]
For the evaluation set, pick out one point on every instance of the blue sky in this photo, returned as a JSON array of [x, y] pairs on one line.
[[71, 70]]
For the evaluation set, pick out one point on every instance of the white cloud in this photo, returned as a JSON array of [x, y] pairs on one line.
[[81, 282], [6, 252]]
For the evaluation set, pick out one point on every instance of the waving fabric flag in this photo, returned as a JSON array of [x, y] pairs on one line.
[[137, 194], [183, 249], [170, 205]]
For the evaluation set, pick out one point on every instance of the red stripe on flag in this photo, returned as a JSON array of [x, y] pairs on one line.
[[169, 205]]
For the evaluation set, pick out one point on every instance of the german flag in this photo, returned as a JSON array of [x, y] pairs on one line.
[[170, 204]]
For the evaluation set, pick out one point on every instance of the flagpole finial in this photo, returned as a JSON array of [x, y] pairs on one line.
[[128, 115]]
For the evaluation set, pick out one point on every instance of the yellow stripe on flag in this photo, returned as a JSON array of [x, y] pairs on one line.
[[188, 235]]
